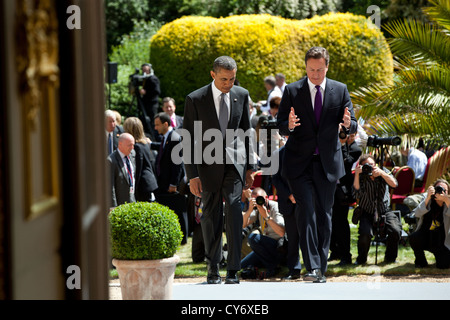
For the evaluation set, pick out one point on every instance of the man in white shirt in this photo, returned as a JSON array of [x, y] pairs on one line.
[[417, 160], [272, 92]]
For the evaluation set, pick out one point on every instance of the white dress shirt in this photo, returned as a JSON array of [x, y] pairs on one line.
[[313, 90]]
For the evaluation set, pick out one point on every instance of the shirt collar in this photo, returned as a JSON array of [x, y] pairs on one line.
[[121, 154], [216, 92], [312, 86]]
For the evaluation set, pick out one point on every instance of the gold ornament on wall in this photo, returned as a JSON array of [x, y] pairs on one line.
[[37, 58]]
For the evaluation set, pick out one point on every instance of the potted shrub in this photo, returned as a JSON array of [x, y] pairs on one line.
[[144, 239]]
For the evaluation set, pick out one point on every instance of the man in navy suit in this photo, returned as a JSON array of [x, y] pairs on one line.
[[213, 109], [310, 113]]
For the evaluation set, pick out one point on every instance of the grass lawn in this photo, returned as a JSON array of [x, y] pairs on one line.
[[403, 266]]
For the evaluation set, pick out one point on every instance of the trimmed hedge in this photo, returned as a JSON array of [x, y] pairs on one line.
[[182, 52], [144, 231]]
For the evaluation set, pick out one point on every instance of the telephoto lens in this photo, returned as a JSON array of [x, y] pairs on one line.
[[260, 200]]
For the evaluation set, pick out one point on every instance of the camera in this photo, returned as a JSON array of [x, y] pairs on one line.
[[375, 141], [367, 169], [136, 80], [438, 190], [267, 123], [343, 133], [260, 200]]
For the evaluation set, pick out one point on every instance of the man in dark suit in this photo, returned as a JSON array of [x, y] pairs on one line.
[[169, 173], [112, 130], [219, 174], [123, 167], [310, 113]]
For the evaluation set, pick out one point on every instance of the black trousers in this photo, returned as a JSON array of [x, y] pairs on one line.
[[340, 235], [314, 195], [420, 241], [213, 219], [393, 231]]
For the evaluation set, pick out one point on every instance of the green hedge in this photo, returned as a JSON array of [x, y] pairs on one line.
[[182, 52], [144, 231]]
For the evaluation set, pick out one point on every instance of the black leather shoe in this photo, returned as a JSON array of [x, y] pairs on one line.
[[291, 276], [213, 275], [315, 276], [232, 277]]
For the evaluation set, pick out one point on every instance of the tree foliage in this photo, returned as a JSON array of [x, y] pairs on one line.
[[418, 102]]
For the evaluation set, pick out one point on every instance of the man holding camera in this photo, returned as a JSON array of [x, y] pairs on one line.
[[371, 187], [433, 228], [150, 93], [265, 244]]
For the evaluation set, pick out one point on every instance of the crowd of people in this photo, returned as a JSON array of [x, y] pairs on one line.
[[300, 206]]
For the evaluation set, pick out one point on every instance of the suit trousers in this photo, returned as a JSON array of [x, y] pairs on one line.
[[214, 217], [314, 195]]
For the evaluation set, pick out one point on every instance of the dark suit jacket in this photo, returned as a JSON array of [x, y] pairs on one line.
[[170, 172], [179, 120], [145, 175], [302, 142], [199, 106], [285, 205], [118, 130], [120, 183]]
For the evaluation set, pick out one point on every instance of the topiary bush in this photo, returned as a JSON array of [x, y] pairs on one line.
[[182, 52], [144, 231]]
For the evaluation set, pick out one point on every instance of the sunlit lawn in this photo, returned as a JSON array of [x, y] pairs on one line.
[[403, 266]]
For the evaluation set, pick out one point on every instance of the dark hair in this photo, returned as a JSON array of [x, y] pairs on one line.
[[364, 157], [441, 181], [163, 117], [317, 53], [275, 102], [224, 62]]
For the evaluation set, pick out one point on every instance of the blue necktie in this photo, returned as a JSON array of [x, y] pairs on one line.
[[130, 173], [318, 109]]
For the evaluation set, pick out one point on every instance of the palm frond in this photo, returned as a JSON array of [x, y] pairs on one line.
[[440, 12], [423, 43]]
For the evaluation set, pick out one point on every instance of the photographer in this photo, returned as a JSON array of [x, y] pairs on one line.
[[150, 92], [265, 245], [433, 228], [371, 187]]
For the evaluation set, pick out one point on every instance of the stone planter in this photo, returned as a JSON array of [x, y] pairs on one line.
[[146, 279]]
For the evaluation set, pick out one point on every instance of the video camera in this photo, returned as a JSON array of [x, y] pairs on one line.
[[267, 123], [375, 141], [136, 80]]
